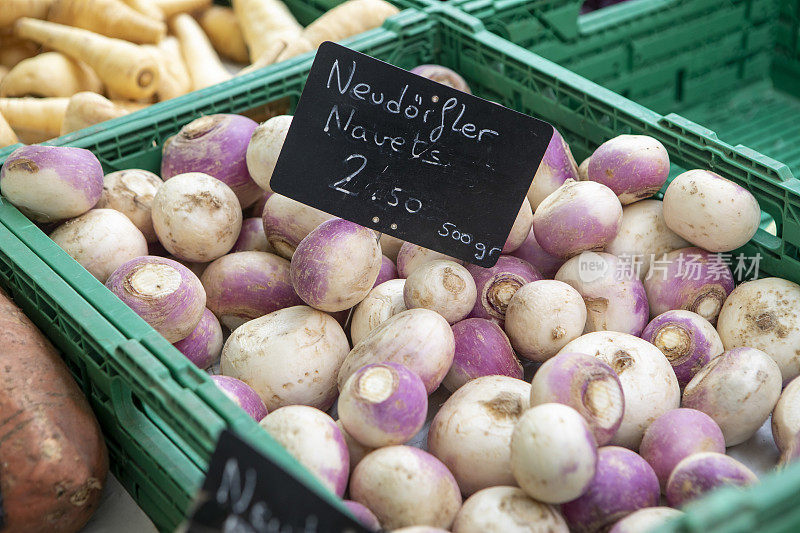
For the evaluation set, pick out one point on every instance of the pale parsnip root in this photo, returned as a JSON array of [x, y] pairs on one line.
[[203, 63], [7, 135], [50, 74], [3, 72], [111, 18], [267, 26], [125, 68], [34, 119], [11, 10], [173, 7], [13, 50], [168, 85], [86, 109], [174, 64], [146, 7], [222, 28]]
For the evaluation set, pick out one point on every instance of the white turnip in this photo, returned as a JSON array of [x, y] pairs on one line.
[[786, 416], [383, 302], [547, 265], [482, 349], [364, 516], [287, 222], [387, 272], [645, 520], [557, 166], [504, 509], [251, 237], [242, 395], [633, 166], [702, 472], [442, 286], [520, 229], [264, 148], [498, 284], [131, 193], [412, 256], [442, 75], [204, 344], [356, 450]]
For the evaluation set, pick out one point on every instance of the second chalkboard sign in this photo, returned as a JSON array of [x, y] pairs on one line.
[[404, 155]]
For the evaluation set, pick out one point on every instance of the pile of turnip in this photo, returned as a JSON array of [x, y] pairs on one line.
[[395, 373]]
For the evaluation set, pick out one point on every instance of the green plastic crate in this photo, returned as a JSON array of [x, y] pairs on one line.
[[167, 393]]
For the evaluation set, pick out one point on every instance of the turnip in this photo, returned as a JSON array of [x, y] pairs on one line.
[[257, 209], [264, 148], [204, 344], [100, 240], [738, 389], [702, 472], [287, 222], [196, 217], [504, 509], [364, 516], [710, 211], [633, 166], [786, 416], [215, 145], [624, 483], [387, 272], [313, 438], [442, 286], [498, 284], [557, 167], [688, 340], [645, 519], [131, 193], [442, 75], [290, 356], [383, 302], [677, 434], [648, 382], [252, 237], [406, 486], [791, 453], [335, 266], [383, 404], [615, 298], [763, 314], [482, 349], [420, 529], [356, 450], [583, 169], [542, 317], [163, 292], [578, 216], [418, 338], [644, 236], [471, 432], [51, 183], [586, 384], [411, 256], [390, 246], [520, 229], [242, 395], [246, 285], [690, 279], [544, 263], [553, 453]]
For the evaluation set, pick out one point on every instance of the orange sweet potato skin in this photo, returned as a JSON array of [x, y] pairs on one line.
[[53, 461]]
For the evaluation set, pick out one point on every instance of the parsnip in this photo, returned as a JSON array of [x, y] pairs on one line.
[[13, 50], [168, 85], [146, 7], [222, 28], [11, 10], [111, 18], [170, 48], [3, 72], [49, 74], [268, 27], [7, 135], [86, 109], [125, 68], [202, 62], [173, 7], [34, 119]]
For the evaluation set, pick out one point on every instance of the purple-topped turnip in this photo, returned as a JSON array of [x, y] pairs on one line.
[[738, 389], [498, 284], [314, 439], [710, 211], [502, 509], [579, 216], [442, 75], [557, 166], [583, 169], [356, 450], [542, 317], [544, 263], [51, 183], [633, 166], [390, 246], [100, 240], [204, 344], [520, 229], [471, 432], [763, 314], [615, 298], [688, 340], [215, 145], [648, 382], [691, 279], [252, 237], [412, 256], [287, 222], [131, 192], [425, 494], [163, 292], [677, 434], [290, 356], [387, 272], [442, 286], [702, 472], [624, 483], [421, 339], [364, 516], [335, 266], [646, 519], [382, 303], [246, 285], [263, 149], [242, 395], [786, 416], [257, 209], [586, 384], [482, 349], [196, 217], [553, 453], [383, 404]]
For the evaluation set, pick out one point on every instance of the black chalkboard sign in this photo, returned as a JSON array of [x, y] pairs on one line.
[[246, 493], [404, 155]]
